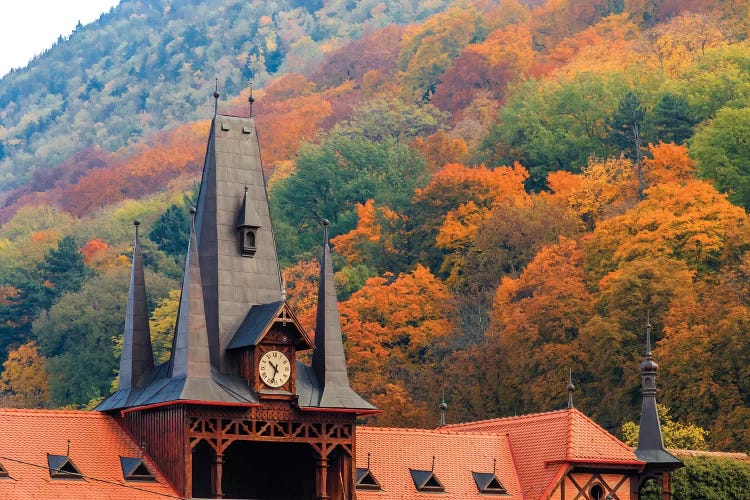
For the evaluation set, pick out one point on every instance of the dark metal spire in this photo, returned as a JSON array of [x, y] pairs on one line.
[[216, 98], [329, 361], [570, 388], [137, 357], [650, 443], [190, 349]]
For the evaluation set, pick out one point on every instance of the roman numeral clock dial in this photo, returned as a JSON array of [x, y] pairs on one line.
[[275, 369]]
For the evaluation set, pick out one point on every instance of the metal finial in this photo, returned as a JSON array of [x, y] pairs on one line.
[[251, 99], [443, 407], [283, 287], [136, 223], [325, 223], [648, 335], [494, 465], [368, 461], [433, 463], [68, 452], [571, 388], [193, 211], [216, 98]]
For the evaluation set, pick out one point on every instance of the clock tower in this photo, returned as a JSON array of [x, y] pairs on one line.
[[234, 413]]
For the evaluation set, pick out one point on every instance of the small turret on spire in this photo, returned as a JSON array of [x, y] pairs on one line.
[[216, 98], [570, 388]]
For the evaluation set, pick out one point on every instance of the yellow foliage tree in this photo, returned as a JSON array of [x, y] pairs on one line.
[[24, 382]]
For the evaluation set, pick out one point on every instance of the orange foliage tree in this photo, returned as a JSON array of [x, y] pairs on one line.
[[396, 328]]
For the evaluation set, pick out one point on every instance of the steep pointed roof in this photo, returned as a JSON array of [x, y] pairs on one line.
[[329, 361], [233, 191], [650, 442], [137, 355]]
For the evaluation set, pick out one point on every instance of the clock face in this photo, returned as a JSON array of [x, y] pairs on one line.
[[275, 368]]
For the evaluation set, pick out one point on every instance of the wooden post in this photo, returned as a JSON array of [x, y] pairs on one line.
[[216, 476], [321, 478], [666, 486]]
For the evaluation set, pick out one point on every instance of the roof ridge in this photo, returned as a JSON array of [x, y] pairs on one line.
[[528, 416], [440, 431], [569, 447], [54, 411]]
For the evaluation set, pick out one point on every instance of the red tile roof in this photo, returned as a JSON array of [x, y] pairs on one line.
[[457, 454], [545, 444], [96, 444]]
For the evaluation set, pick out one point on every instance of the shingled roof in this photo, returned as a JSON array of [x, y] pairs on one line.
[[95, 442], [569, 437], [393, 452]]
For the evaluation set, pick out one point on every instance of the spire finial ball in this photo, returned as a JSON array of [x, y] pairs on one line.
[[193, 211], [325, 222], [136, 223]]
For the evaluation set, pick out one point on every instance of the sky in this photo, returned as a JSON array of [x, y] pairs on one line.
[[28, 27]]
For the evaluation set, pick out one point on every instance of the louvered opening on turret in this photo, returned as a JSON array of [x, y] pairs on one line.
[[366, 480], [62, 467]]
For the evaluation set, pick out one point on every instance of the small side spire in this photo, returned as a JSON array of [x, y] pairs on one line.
[[137, 357], [650, 442], [329, 360], [570, 388], [216, 98], [251, 99], [190, 348]]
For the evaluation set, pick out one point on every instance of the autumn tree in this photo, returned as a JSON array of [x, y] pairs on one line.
[[24, 382], [396, 330], [676, 434]]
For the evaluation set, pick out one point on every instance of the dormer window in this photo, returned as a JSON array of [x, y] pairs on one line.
[[366, 480], [426, 481], [3, 472], [487, 482], [62, 467], [134, 469]]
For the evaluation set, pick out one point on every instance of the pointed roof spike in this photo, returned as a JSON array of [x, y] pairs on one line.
[[251, 99], [329, 360], [443, 408], [190, 347], [570, 388], [137, 357], [216, 98]]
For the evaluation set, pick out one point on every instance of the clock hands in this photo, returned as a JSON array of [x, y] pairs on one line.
[[275, 371]]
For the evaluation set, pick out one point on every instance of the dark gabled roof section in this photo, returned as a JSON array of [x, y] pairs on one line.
[[134, 469], [259, 321], [329, 360], [3, 472], [62, 467], [487, 482], [365, 480], [137, 357], [426, 481]]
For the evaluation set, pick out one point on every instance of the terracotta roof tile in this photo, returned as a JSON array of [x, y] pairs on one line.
[[96, 444], [543, 444], [457, 454]]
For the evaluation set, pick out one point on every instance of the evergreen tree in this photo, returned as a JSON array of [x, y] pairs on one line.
[[62, 270], [673, 119], [626, 132], [171, 231]]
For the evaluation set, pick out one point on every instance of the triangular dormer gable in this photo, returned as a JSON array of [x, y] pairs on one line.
[[259, 323]]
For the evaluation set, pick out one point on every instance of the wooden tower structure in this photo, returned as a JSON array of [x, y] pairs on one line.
[[234, 413]]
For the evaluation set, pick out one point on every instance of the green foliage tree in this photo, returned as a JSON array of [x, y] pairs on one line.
[[673, 119], [63, 270], [331, 178], [722, 153], [171, 231], [710, 478]]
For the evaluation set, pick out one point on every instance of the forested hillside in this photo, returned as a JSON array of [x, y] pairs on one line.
[[513, 187]]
